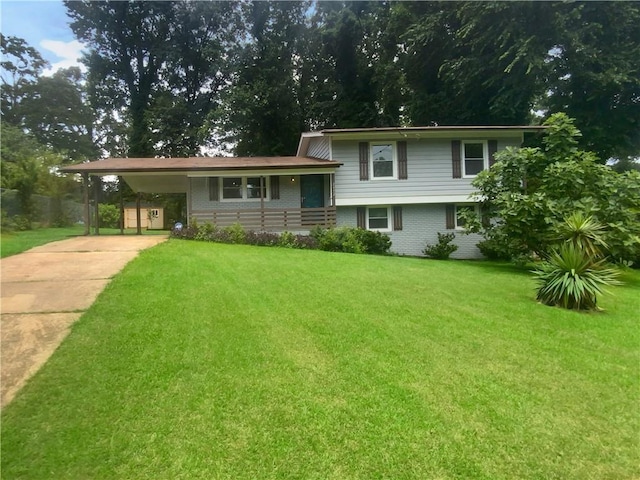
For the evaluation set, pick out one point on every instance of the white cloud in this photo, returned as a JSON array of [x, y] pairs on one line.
[[68, 52]]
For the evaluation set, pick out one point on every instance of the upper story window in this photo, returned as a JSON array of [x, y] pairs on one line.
[[475, 157], [243, 188], [383, 160]]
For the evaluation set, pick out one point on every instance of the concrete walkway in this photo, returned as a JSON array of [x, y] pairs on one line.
[[45, 290]]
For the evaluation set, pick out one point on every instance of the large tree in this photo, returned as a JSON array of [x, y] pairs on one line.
[[128, 42], [263, 112], [473, 63], [20, 69], [53, 109], [160, 57], [359, 85], [56, 112], [594, 74], [497, 62]]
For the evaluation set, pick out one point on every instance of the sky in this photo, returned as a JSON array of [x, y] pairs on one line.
[[45, 26]]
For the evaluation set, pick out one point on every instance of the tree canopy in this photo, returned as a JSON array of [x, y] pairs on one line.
[[173, 78], [169, 78]]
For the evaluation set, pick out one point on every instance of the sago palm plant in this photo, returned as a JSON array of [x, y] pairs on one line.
[[572, 279]]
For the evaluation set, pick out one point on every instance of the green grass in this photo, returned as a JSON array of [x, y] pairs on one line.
[[12, 243], [18, 242], [235, 362]]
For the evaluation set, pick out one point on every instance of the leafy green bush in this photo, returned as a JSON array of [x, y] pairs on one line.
[[236, 233], [443, 249], [573, 280], [287, 240], [109, 215], [21, 223], [494, 250], [530, 191], [352, 240], [205, 232], [372, 242]]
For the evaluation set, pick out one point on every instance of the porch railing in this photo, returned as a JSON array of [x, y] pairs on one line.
[[270, 219]]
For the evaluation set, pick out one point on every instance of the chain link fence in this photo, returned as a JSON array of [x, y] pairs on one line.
[[48, 211]]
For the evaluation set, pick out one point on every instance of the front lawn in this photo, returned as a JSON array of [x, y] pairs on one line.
[[234, 362]]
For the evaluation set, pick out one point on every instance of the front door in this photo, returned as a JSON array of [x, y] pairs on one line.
[[312, 191]]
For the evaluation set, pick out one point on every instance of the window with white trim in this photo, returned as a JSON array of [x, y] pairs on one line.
[[383, 160], [460, 210], [379, 218], [475, 157], [243, 188]]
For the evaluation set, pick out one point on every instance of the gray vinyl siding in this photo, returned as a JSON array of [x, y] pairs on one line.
[[421, 224], [199, 196], [320, 147], [428, 166]]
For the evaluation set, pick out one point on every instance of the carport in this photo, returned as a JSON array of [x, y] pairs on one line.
[[143, 175]]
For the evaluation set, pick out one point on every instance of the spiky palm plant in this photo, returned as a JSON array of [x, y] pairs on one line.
[[572, 279], [585, 233]]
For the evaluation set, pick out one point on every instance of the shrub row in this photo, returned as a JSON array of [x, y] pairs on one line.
[[344, 239]]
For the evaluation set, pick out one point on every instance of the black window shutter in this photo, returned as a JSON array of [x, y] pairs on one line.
[[362, 217], [455, 159], [493, 148], [402, 160], [364, 160], [397, 217], [214, 189], [451, 217], [275, 187]]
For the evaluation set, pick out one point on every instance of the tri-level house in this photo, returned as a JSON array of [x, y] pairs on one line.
[[408, 182]]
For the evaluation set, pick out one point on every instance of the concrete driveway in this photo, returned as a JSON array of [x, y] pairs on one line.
[[46, 289]]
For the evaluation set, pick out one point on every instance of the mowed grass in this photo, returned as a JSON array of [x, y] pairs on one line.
[[18, 242], [237, 362]]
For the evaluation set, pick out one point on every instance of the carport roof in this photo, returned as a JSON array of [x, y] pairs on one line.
[[114, 166]]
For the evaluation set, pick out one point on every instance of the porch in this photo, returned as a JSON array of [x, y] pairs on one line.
[[270, 219]]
